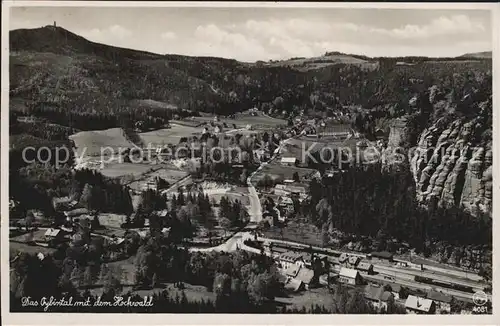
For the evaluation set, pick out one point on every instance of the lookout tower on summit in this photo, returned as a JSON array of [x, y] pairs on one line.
[[55, 25]]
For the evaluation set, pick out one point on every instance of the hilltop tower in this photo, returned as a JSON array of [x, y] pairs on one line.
[[55, 25]]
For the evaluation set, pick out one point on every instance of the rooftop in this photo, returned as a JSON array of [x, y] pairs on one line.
[[292, 270], [353, 260], [348, 272], [52, 232], [305, 275], [438, 296], [373, 292], [418, 303], [288, 159], [293, 285], [76, 212], [394, 287], [290, 256], [364, 266]]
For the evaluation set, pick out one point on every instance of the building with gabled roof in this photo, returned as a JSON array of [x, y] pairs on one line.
[[306, 276], [377, 296], [52, 233], [294, 285], [292, 270], [395, 289], [365, 267], [288, 161], [343, 258], [349, 276], [291, 258], [442, 301], [353, 260], [418, 305]]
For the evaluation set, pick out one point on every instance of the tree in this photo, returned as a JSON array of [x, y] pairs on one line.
[[278, 102], [112, 284], [357, 304], [244, 176], [403, 292], [222, 285], [86, 197], [29, 220], [262, 287], [77, 276], [88, 277], [154, 281], [296, 177], [225, 223]]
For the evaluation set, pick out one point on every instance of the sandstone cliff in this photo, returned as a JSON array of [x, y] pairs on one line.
[[452, 161]]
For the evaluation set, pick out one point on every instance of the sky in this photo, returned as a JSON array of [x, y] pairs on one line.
[[250, 34]]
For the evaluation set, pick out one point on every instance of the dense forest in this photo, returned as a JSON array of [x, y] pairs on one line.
[[101, 83], [382, 204], [34, 186]]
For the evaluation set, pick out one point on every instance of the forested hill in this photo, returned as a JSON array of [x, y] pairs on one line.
[[54, 72]]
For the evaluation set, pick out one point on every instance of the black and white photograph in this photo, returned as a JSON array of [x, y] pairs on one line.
[[273, 158]]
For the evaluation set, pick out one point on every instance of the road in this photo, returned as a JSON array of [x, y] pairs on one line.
[[255, 213], [234, 243], [175, 187]]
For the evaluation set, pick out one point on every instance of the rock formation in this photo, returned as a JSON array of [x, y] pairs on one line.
[[452, 160], [450, 167]]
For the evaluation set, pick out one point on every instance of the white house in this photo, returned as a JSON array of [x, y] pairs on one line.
[[418, 305], [291, 258], [349, 276], [289, 161]]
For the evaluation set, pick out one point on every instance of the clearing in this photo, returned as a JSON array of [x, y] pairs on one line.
[[279, 172], [241, 120], [116, 170], [172, 135], [90, 143], [320, 296]]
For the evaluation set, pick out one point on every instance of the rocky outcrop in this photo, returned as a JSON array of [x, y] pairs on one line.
[[452, 160], [451, 168], [393, 154]]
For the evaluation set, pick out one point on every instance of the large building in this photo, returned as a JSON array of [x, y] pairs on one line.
[[418, 305], [291, 258], [349, 276], [378, 297], [291, 190], [442, 301], [365, 267]]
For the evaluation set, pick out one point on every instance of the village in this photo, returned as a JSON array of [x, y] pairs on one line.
[[271, 185]]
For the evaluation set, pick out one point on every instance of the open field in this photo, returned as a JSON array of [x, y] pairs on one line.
[[301, 233], [243, 132], [320, 296], [116, 170], [111, 220], [243, 119], [294, 147], [16, 247], [232, 196], [312, 63], [90, 142], [277, 172], [172, 135], [26, 237]]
